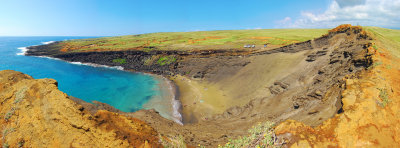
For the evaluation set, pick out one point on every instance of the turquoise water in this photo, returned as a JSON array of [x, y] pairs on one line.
[[124, 90]]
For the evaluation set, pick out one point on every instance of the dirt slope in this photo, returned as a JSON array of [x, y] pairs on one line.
[[34, 113], [301, 81]]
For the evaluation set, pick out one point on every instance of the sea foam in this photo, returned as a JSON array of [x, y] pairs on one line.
[[49, 42], [166, 103], [176, 103], [98, 65], [23, 50]]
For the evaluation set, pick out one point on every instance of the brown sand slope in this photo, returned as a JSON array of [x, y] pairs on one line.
[[307, 75], [34, 113]]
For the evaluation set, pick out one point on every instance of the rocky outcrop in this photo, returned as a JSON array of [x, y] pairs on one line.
[[134, 60], [34, 113]]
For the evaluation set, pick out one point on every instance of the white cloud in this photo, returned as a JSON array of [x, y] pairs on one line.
[[285, 21], [384, 13]]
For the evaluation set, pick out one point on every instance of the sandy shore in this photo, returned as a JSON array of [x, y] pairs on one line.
[[200, 100], [167, 103], [188, 101]]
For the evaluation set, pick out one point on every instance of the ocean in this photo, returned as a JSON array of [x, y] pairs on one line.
[[126, 91]]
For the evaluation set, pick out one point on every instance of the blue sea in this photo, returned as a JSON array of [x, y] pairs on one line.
[[126, 91]]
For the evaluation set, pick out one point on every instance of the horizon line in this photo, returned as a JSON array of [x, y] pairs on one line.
[[166, 32]]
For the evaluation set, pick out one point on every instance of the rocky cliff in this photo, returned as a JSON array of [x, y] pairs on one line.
[[34, 113]]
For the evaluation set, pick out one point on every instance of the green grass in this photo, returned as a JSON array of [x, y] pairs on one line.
[[120, 61], [374, 46], [224, 39], [390, 39], [166, 60]]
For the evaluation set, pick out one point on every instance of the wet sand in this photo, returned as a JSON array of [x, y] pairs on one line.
[[167, 103]]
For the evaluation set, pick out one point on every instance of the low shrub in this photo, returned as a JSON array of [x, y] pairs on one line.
[[120, 61], [166, 60], [261, 136], [9, 114], [175, 142], [384, 96]]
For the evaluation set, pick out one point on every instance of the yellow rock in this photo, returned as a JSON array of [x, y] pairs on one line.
[[34, 113]]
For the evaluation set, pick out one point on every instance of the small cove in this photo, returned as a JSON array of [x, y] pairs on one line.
[[123, 90]]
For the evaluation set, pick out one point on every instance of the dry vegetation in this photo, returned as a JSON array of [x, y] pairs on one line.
[[202, 40]]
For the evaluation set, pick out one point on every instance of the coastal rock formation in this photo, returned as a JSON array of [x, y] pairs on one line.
[[34, 113]]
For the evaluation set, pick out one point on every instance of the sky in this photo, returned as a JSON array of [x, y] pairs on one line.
[[125, 17]]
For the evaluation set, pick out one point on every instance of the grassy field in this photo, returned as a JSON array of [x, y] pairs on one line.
[[225, 39], [390, 38]]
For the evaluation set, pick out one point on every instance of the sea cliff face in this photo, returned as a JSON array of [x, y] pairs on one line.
[[34, 113]]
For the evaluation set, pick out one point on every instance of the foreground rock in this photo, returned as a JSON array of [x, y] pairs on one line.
[[34, 113]]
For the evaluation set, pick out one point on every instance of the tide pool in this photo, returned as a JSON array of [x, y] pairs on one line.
[[125, 91]]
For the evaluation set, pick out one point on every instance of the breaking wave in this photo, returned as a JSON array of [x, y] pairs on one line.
[[97, 65], [23, 50]]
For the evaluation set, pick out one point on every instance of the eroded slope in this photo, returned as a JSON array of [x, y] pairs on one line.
[[370, 105]]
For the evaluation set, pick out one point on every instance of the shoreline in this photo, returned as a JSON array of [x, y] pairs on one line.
[[168, 102], [175, 101], [200, 100], [25, 49]]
